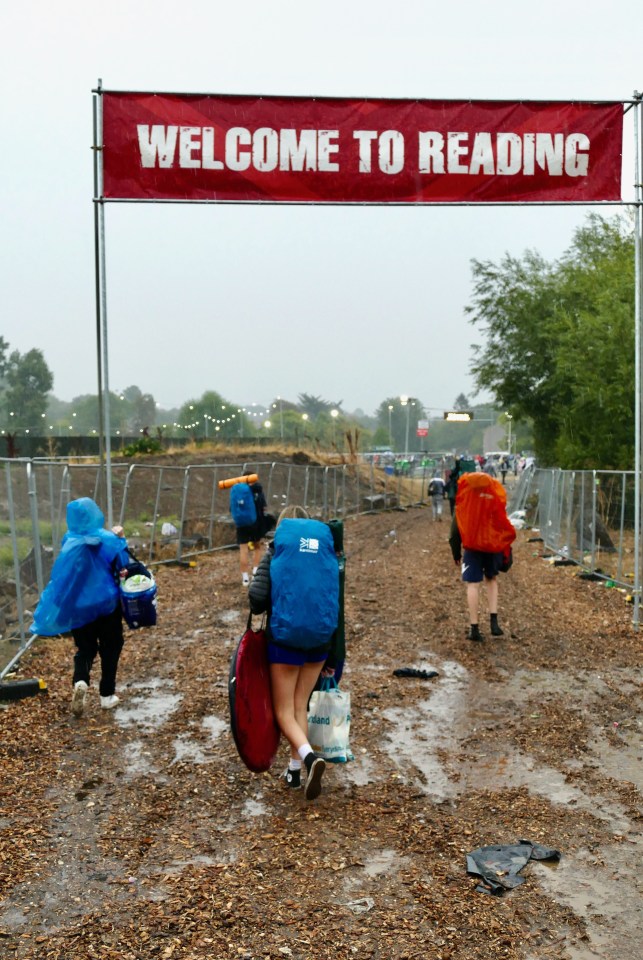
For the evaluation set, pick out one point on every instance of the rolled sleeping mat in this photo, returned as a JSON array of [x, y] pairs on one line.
[[230, 482]]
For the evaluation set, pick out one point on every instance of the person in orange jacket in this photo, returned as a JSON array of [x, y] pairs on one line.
[[480, 540]]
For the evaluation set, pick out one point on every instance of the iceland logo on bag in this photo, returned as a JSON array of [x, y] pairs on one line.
[[308, 545]]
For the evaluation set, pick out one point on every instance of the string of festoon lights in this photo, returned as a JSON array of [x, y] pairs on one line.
[[228, 415]]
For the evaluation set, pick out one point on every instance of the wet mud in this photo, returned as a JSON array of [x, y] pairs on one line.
[[137, 832]]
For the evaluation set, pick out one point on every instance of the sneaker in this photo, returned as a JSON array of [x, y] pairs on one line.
[[474, 633], [108, 703], [293, 778], [497, 631], [315, 766], [79, 697], [245, 580]]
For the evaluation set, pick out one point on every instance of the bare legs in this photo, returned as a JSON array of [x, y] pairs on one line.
[[291, 690], [244, 556], [473, 597]]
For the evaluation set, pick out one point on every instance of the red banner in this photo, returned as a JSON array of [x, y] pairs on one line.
[[329, 150]]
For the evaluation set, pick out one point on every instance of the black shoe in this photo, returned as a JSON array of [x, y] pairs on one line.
[[315, 766], [496, 631], [293, 778], [474, 633]]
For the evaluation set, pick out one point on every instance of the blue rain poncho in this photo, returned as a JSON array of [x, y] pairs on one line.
[[83, 583]]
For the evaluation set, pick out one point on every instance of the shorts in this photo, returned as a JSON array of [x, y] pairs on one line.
[[249, 534], [476, 565], [296, 658]]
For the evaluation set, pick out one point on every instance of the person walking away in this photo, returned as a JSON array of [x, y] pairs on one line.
[[437, 494], [297, 585], [82, 598], [452, 484], [247, 506], [480, 539], [504, 469]]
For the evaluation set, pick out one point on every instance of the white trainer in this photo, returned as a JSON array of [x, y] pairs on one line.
[[79, 697], [108, 703]]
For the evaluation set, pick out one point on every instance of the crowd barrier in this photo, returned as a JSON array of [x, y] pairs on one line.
[[583, 516], [170, 514]]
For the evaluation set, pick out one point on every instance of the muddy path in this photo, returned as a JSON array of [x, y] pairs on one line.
[[139, 834]]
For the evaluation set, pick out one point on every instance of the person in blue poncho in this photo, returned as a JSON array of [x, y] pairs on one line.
[[82, 598]]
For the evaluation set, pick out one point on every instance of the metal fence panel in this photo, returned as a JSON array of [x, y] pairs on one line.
[[169, 512]]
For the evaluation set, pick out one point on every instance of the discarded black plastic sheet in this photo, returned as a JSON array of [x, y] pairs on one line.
[[498, 866], [413, 672]]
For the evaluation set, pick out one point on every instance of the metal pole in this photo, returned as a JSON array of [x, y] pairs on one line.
[[99, 351], [638, 313], [102, 302], [14, 550]]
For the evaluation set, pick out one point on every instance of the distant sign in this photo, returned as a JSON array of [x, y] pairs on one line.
[[423, 428], [458, 416]]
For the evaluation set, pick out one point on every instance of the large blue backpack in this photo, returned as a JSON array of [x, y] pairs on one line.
[[304, 579], [242, 505]]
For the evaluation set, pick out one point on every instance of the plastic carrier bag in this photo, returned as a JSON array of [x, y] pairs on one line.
[[329, 722]]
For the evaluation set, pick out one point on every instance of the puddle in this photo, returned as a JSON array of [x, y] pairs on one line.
[[359, 771], [415, 738], [138, 763], [622, 762], [229, 616], [214, 726], [457, 704], [150, 710], [384, 861], [186, 749], [254, 808], [378, 864], [606, 891]]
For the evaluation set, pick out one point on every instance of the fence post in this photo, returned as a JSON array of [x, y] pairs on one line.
[[35, 525], [186, 484], [594, 518], [156, 513], [130, 471], [14, 547], [619, 569]]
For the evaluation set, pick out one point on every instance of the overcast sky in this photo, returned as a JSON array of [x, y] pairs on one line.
[[351, 304]]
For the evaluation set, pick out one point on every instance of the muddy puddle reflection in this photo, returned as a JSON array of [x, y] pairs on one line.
[[150, 708], [606, 889], [603, 886]]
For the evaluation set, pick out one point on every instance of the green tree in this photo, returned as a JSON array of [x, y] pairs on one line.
[[313, 406], [28, 382], [559, 345], [212, 417]]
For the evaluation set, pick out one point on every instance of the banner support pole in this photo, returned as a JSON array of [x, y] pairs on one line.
[[99, 352], [101, 295], [638, 321]]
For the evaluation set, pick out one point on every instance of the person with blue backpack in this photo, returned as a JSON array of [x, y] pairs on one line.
[[247, 506], [297, 586]]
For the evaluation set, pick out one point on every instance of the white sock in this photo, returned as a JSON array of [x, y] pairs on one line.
[[304, 751], [294, 764], [254, 570]]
